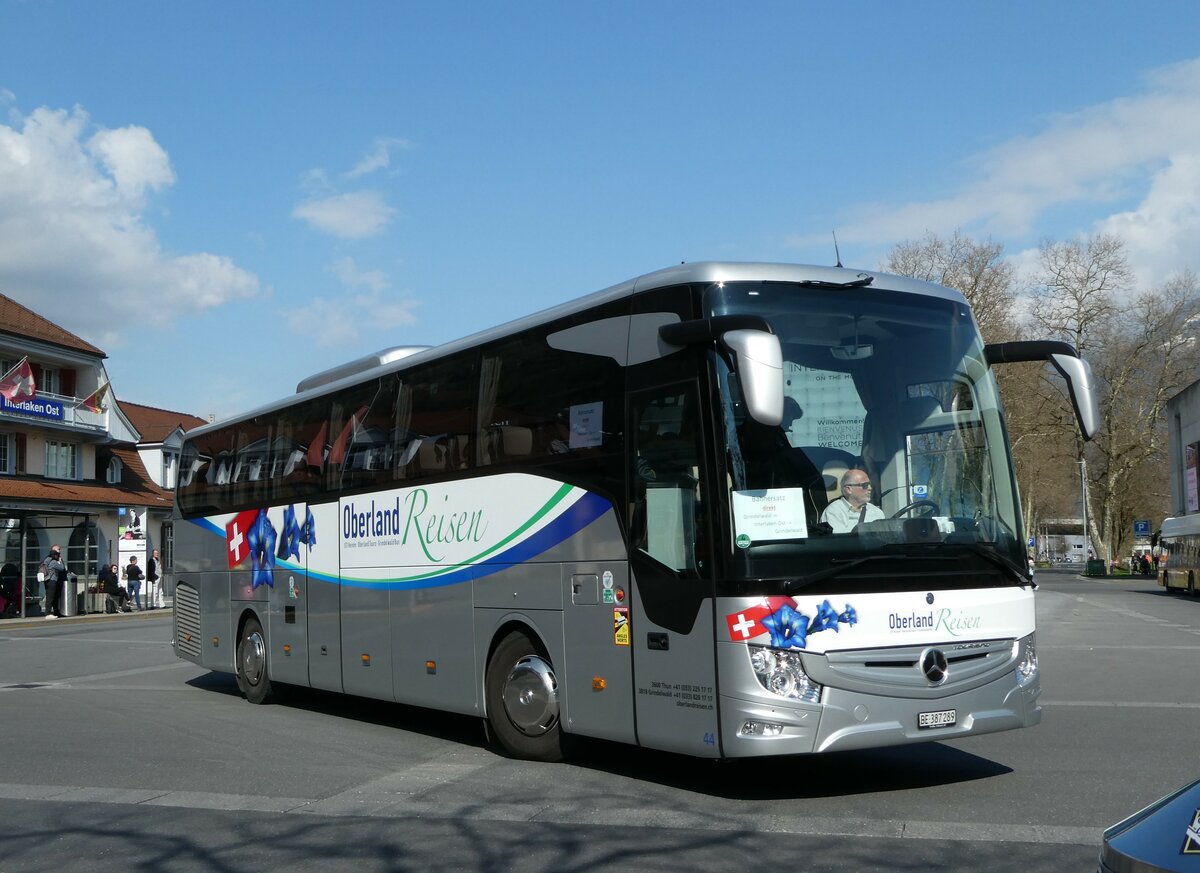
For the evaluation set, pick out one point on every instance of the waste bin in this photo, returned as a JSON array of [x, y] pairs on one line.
[[1095, 567], [72, 596]]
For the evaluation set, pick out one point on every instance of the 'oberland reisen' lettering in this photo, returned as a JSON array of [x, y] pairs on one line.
[[414, 520], [944, 619], [912, 620]]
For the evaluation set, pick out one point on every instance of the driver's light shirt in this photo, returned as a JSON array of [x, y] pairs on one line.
[[842, 517]]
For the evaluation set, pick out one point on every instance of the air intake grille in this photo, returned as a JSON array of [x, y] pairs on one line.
[[187, 621]]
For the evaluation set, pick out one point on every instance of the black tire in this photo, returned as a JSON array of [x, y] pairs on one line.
[[522, 700], [251, 664]]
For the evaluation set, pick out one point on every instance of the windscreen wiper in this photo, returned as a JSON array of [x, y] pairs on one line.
[[844, 565], [998, 559], [861, 281]]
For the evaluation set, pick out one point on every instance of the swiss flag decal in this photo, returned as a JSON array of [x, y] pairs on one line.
[[237, 537], [747, 623]]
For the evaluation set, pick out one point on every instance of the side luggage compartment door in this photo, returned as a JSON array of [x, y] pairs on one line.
[[288, 599]]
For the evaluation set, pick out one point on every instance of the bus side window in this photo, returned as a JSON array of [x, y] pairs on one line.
[[666, 487]]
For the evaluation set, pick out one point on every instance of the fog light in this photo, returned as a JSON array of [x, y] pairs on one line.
[[782, 672], [761, 729]]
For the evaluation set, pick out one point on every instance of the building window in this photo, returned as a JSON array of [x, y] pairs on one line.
[[61, 460], [83, 551], [170, 465], [113, 475], [48, 381], [5, 454]]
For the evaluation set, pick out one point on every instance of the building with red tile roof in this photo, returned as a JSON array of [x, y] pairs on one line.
[[77, 472]]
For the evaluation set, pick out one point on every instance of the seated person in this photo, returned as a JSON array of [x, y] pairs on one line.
[[109, 580], [853, 506], [10, 590]]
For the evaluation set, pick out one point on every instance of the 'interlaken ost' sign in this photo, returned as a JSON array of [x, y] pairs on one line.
[[36, 406]]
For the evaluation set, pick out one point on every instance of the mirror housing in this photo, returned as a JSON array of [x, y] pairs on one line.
[[1081, 384], [758, 357], [760, 368]]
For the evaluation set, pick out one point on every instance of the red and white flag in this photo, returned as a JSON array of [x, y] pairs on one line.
[[97, 401], [745, 624], [237, 536], [17, 384]]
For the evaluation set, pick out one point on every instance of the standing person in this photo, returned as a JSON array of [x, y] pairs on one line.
[[133, 576], [844, 514], [55, 573], [152, 590]]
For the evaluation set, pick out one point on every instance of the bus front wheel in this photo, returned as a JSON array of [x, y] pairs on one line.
[[522, 700], [252, 677]]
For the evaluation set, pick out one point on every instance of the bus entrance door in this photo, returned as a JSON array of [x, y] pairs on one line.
[[672, 615]]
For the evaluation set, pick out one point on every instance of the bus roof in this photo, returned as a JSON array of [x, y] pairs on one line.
[[705, 272], [1180, 526]]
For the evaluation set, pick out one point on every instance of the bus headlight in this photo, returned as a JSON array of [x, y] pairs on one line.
[[782, 672], [1027, 663]]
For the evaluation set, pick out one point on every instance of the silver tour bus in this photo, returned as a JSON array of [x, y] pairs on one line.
[[722, 509]]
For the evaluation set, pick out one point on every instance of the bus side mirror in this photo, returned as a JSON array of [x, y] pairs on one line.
[[760, 369], [758, 357], [1081, 384]]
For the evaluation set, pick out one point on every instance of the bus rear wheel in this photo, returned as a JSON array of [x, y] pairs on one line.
[[522, 700], [252, 677]]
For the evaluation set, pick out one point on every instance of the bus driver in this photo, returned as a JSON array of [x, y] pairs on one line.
[[854, 505]]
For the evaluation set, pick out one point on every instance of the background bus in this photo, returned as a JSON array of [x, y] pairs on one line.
[[1179, 557], [609, 519]]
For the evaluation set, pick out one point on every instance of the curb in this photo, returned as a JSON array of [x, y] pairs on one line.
[[89, 618]]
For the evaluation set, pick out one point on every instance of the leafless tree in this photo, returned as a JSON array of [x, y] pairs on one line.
[[974, 268], [1142, 349]]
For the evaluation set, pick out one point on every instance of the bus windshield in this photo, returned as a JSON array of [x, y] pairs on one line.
[[891, 463]]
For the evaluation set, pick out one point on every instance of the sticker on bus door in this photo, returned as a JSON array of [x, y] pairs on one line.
[[621, 625]]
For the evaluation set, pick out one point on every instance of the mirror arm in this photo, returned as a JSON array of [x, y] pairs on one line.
[[1026, 350], [709, 330]]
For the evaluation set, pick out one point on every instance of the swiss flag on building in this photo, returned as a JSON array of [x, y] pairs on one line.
[[17, 383], [237, 536]]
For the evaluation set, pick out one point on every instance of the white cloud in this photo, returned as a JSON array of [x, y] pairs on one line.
[[345, 321], [355, 215], [1143, 149], [352, 277], [74, 243], [379, 158], [133, 159], [330, 323]]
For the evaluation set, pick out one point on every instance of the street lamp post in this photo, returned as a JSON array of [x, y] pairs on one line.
[[1083, 489]]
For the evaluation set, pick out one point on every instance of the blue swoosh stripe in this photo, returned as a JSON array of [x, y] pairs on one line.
[[583, 512]]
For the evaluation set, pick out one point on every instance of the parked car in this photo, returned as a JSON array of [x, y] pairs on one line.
[[1165, 836]]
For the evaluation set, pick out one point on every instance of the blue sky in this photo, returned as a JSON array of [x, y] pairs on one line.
[[228, 197]]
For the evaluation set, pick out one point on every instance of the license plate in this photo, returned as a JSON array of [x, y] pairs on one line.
[[941, 718]]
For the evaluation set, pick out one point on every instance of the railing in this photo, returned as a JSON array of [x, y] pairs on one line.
[[56, 408]]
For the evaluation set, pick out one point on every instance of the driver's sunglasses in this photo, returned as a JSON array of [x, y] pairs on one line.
[[858, 484]]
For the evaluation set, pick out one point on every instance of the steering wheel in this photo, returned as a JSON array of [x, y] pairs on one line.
[[933, 508]]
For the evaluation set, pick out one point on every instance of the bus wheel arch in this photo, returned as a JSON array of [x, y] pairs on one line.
[[250, 661], [521, 696]]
